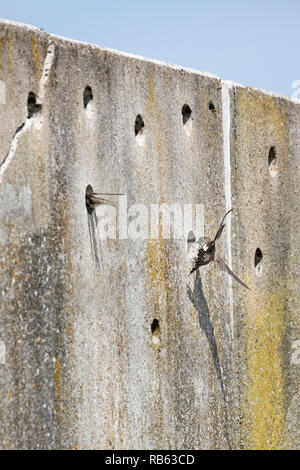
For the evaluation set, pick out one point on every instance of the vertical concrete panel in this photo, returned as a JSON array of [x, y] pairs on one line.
[[109, 343], [265, 191]]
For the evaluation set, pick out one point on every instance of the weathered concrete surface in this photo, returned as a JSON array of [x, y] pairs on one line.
[[82, 366], [267, 318]]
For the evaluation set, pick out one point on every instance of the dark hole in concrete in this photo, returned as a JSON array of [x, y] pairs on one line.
[[186, 113], [88, 202], [211, 107], [258, 257], [272, 156], [138, 125], [32, 106], [155, 326], [87, 96], [272, 162]]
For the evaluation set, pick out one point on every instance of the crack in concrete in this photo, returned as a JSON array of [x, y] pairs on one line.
[[30, 118]]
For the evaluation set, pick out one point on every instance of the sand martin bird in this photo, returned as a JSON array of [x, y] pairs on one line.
[[207, 253], [92, 199]]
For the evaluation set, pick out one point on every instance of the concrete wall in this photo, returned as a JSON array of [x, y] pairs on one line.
[[81, 366]]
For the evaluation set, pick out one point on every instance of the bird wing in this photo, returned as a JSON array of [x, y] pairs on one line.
[[97, 200], [220, 229], [222, 266], [108, 194], [202, 258]]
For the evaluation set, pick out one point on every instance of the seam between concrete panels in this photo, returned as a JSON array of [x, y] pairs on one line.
[[226, 86], [37, 120]]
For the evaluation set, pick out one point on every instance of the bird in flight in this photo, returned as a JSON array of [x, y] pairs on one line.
[[92, 199], [207, 253]]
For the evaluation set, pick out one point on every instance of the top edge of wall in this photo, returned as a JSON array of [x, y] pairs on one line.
[[228, 83], [101, 48]]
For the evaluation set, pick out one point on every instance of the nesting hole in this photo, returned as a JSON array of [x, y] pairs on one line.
[[258, 261], [186, 113], [88, 201], [87, 96], [187, 118], [32, 106], [155, 333], [211, 107], [139, 128], [272, 162], [155, 327], [139, 125]]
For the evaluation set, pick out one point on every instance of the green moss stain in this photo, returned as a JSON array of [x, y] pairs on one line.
[[264, 399]]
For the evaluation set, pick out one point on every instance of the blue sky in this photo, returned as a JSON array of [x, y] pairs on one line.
[[252, 42]]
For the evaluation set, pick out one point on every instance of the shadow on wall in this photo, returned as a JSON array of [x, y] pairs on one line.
[[95, 247], [199, 302]]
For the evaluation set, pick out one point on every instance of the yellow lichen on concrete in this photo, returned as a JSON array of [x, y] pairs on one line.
[[277, 115], [157, 275], [161, 150], [7, 50], [162, 168], [150, 94], [35, 52], [10, 51], [156, 262], [157, 285], [57, 377], [58, 387], [2, 43], [261, 108], [264, 399]]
